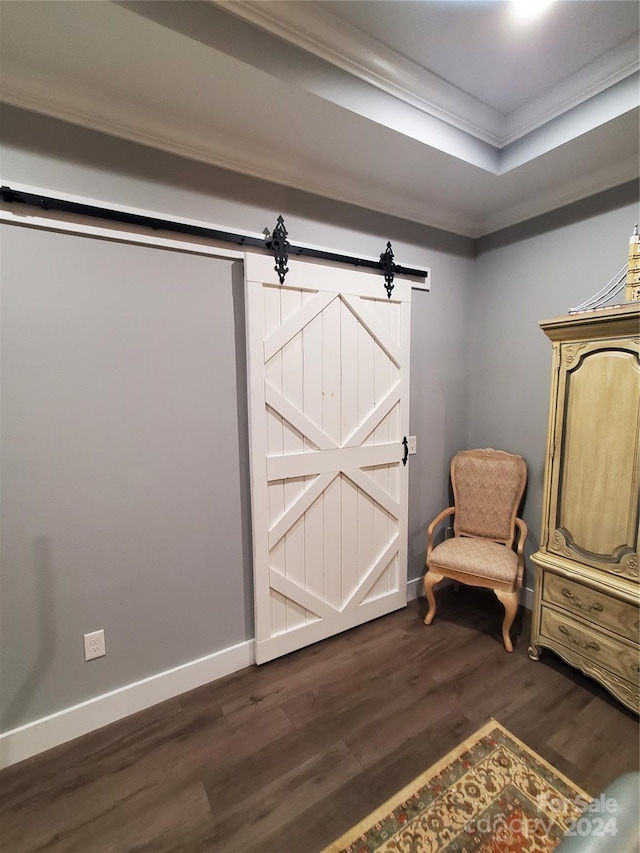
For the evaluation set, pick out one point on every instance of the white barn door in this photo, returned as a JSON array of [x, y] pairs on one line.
[[328, 357]]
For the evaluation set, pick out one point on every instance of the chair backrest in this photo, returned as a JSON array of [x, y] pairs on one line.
[[487, 487]]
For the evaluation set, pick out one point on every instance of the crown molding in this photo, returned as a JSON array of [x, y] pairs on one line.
[[259, 163], [607, 106], [221, 151], [587, 83], [335, 41], [227, 153], [611, 175]]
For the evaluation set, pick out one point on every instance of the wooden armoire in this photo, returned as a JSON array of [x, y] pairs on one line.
[[586, 585]]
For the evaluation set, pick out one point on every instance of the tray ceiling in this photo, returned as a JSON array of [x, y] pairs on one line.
[[447, 113]]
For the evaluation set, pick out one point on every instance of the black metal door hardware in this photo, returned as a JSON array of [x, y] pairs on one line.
[[276, 242], [279, 245], [389, 269]]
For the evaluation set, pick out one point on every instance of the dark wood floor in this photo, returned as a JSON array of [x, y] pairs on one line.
[[286, 757]]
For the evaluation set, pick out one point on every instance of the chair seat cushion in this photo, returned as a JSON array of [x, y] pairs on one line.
[[476, 557]]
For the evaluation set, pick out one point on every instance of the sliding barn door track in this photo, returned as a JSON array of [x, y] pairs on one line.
[[275, 242]]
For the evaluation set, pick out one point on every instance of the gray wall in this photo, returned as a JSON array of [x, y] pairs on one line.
[[118, 509], [174, 614], [533, 272]]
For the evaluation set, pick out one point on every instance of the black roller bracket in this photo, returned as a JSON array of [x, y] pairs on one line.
[[9, 195], [389, 269], [280, 246]]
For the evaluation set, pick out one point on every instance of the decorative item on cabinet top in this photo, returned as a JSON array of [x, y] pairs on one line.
[[587, 592], [628, 276], [632, 289]]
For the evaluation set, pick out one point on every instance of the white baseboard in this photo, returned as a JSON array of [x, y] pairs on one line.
[[414, 588], [70, 723], [526, 597], [34, 738]]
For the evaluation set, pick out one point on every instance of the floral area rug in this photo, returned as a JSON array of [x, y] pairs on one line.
[[491, 794]]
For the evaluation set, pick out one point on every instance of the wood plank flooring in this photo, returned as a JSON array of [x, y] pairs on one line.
[[286, 757]]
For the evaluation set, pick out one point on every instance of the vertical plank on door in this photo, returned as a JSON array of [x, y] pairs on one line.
[[382, 371], [290, 302], [275, 439], [348, 372], [348, 423], [333, 536], [366, 403], [331, 355], [395, 435], [349, 505], [312, 409]]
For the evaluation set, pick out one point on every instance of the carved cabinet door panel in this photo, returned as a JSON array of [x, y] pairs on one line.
[[593, 511]]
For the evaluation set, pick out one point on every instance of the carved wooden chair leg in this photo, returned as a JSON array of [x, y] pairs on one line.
[[509, 601], [430, 580]]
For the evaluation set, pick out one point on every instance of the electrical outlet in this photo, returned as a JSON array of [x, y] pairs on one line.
[[94, 645], [412, 445]]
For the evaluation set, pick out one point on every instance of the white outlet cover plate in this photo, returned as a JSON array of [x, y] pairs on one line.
[[412, 445], [94, 645]]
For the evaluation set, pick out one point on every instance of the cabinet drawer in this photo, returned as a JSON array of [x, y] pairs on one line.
[[598, 607], [615, 656]]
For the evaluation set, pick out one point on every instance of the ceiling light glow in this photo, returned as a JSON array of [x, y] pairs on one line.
[[530, 8]]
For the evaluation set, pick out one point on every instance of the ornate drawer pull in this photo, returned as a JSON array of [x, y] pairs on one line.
[[590, 646], [588, 607]]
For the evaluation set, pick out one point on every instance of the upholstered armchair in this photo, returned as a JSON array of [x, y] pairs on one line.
[[487, 489]]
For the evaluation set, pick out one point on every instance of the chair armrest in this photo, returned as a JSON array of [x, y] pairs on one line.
[[523, 531], [436, 521]]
